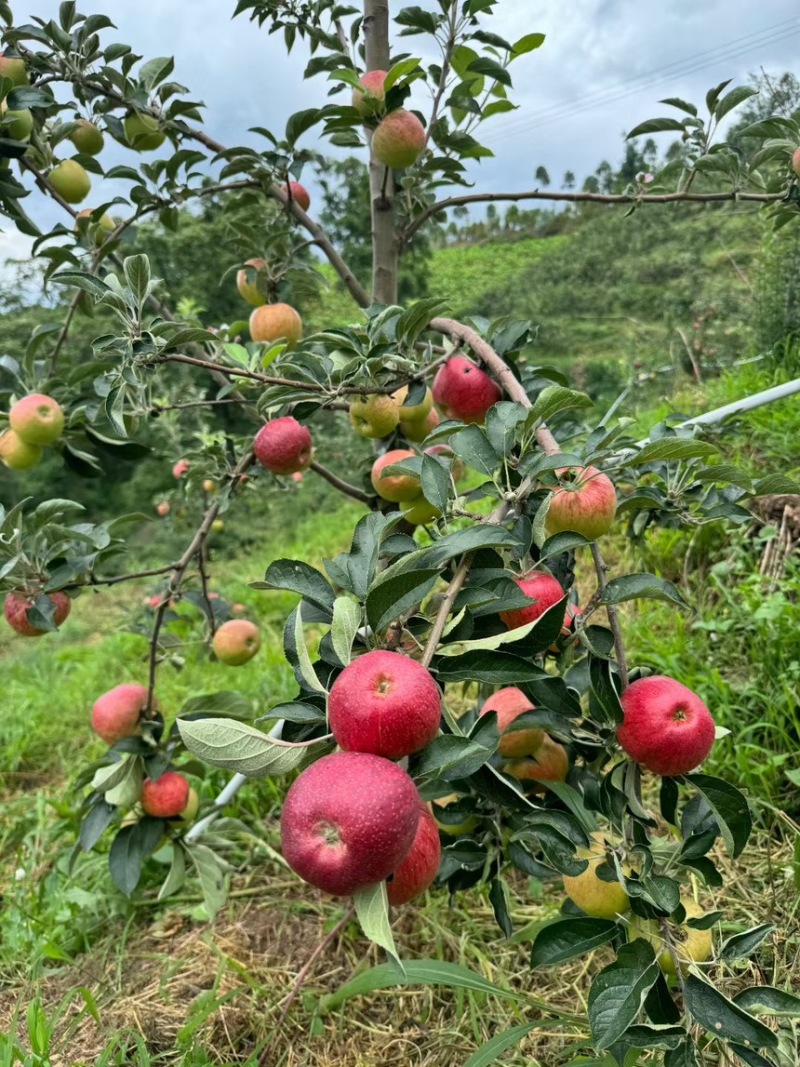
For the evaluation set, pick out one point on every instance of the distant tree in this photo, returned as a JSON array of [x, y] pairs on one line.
[[568, 181], [542, 177]]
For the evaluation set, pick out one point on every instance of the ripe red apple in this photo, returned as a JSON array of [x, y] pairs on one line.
[[550, 763], [248, 288], [399, 139], [180, 468], [348, 821], [117, 713], [142, 132], [13, 67], [544, 588], [70, 181], [37, 419], [16, 454], [236, 642], [386, 704], [394, 487], [463, 391], [166, 797], [418, 431], [796, 162], [509, 704], [667, 728], [276, 322], [368, 102], [299, 194], [584, 503], [163, 508], [16, 607], [374, 416], [87, 138], [283, 446], [153, 601], [421, 863]]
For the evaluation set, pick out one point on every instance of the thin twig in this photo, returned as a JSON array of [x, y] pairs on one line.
[[613, 616], [340, 484], [116, 579], [202, 560]]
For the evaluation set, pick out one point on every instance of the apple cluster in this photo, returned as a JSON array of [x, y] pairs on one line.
[[399, 138]]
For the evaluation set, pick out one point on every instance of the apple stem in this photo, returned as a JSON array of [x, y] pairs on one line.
[[613, 616]]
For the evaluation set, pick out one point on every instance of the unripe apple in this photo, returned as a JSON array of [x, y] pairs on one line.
[[463, 391], [236, 642], [667, 728], [457, 468], [18, 125], [418, 431], [166, 797], [189, 813], [414, 412], [70, 181], [87, 138], [420, 865], [547, 592], [17, 454], [691, 946], [584, 503], [218, 525], [276, 322], [37, 419], [142, 132], [180, 468], [386, 704], [163, 508], [16, 607], [117, 714], [97, 231], [13, 67], [348, 821], [466, 826], [370, 100], [510, 703], [598, 898], [394, 487], [796, 162], [299, 194], [549, 764], [283, 446], [374, 416], [208, 486], [399, 139], [247, 286], [419, 511]]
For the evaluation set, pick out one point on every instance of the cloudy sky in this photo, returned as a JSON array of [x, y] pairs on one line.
[[603, 68]]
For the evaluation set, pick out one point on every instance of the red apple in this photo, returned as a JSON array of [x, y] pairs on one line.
[[348, 821], [463, 391], [117, 713], [239, 609], [421, 863], [166, 797], [298, 477], [386, 704], [299, 194], [585, 503], [667, 728], [394, 487], [248, 288], [180, 468], [368, 101], [544, 588], [399, 139], [509, 704], [550, 763], [37, 419], [16, 608], [276, 322], [236, 642], [163, 508], [283, 446]]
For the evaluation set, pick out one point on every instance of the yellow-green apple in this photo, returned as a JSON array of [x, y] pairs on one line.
[[189, 813], [466, 826], [118, 713], [18, 602], [549, 764], [246, 282], [163, 508], [399, 139], [13, 67], [299, 194], [446, 452], [463, 391], [690, 945], [276, 322], [18, 125], [283, 446], [348, 821], [412, 412], [181, 468], [796, 162], [419, 511], [386, 704], [374, 416], [585, 502], [218, 525], [666, 727], [420, 864], [394, 487], [87, 138], [509, 704], [208, 486], [165, 797], [70, 181], [142, 132], [17, 454], [598, 898], [418, 431], [37, 419], [545, 591], [96, 231], [236, 642], [369, 100]]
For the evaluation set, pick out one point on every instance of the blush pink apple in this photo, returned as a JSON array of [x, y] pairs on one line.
[[585, 502], [371, 95], [667, 728], [37, 419], [509, 704], [546, 591], [16, 607], [248, 288], [421, 863], [348, 821], [276, 322], [283, 446], [117, 714], [394, 487], [163, 508], [399, 139], [386, 704], [463, 391], [180, 468], [550, 763], [236, 642], [299, 194], [166, 797]]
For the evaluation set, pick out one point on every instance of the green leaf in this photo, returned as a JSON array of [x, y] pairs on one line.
[[302, 121], [400, 70], [775, 483], [619, 990], [435, 482], [238, 747], [125, 792], [730, 809], [528, 43], [128, 851], [672, 448], [655, 126], [723, 1018], [137, 275], [641, 586], [345, 625], [81, 279], [472, 445], [490, 68], [567, 938], [372, 909], [683, 1055], [450, 757], [301, 651], [486, 665], [177, 873], [739, 946], [211, 875], [299, 577], [397, 595], [767, 1000], [732, 100], [554, 399], [682, 105]]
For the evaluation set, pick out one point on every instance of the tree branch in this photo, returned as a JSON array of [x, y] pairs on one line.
[[340, 484]]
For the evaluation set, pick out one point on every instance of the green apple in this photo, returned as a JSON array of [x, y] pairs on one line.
[[70, 181], [143, 132], [87, 138], [374, 416]]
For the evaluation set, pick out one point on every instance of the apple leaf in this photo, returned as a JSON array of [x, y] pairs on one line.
[[554, 399], [744, 944], [212, 877], [299, 577], [619, 990], [567, 938], [472, 445], [398, 594], [301, 651], [767, 1000], [723, 1018], [641, 586], [730, 809], [129, 849], [177, 873], [673, 448], [346, 621], [238, 747], [372, 909]]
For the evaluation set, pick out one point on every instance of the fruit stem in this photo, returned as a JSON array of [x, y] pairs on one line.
[[613, 616]]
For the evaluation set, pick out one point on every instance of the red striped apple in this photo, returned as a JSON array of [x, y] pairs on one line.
[[509, 704], [166, 797], [283, 446], [546, 591], [585, 503]]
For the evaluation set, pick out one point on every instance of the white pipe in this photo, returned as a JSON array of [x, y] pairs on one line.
[[748, 403]]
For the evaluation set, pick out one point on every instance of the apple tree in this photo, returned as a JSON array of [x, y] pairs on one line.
[[473, 664]]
